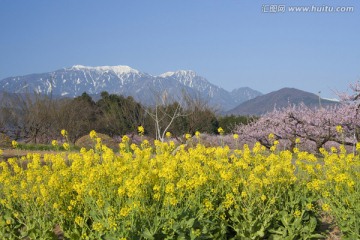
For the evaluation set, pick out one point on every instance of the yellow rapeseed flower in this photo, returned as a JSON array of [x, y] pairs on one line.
[[64, 133], [220, 130], [66, 146], [97, 226], [156, 196], [83, 150], [150, 175], [297, 213], [333, 149], [92, 134], [170, 188], [122, 146], [145, 143], [124, 211], [79, 220], [339, 129], [236, 136], [187, 136], [56, 206], [229, 200], [208, 205], [309, 206], [263, 197], [358, 146], [168, 134], [54, 143], [14, 144], [156, 188], [325, 194], [325, 207], [173, 201], [243, 194], [197, 134], [125, 139], [141, 130]]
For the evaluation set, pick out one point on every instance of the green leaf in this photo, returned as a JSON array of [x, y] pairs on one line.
[[276, 237], [285, 219], [317, 236], [190, 222], [147, 234], [280, 231], [260, 233], [312, 224]]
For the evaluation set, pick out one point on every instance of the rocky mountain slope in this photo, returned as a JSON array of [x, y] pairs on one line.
[[279, 99], [124, 80]]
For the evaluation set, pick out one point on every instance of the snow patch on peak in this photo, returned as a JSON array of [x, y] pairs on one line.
[[179, 73], [186, 72], [167, 74], [78, 67], [332, 99], [119, 70]]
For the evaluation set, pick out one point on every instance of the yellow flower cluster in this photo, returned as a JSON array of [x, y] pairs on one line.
[[187, 136], [64, 133], [14, 144], [141, 130], [220, 130], [99, 192], [93, 134], [339, 129]]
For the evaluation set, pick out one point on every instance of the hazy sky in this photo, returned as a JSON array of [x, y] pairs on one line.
[[233, 43]]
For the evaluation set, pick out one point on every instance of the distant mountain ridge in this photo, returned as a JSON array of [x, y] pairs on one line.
[[277, 100], [124, 80]]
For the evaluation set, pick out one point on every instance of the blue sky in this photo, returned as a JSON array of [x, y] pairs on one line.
[[232, 43]]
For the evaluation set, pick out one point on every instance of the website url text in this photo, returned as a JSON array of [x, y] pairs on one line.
[[277, 8]]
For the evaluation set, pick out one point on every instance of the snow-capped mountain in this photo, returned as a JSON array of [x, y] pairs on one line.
[[216, 96], [191, 79], [124, 80]]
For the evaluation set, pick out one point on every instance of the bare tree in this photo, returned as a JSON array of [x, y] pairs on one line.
[[28, 116], [39, 117], [164, 114]]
